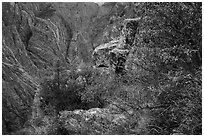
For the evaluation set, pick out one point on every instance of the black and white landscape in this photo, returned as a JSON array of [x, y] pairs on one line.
[[113, 68]]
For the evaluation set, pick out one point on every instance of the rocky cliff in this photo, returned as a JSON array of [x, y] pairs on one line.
[[101, 68]]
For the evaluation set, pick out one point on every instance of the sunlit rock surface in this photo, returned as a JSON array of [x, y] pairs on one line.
[[115, 52], [95, 120]]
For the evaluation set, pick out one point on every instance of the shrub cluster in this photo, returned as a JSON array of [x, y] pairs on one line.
[[76, 90]]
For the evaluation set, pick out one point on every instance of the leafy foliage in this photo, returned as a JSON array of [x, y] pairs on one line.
[[167, 57]]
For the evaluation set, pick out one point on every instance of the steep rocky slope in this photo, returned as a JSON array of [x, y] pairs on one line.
[[37, 35], [111, 68]]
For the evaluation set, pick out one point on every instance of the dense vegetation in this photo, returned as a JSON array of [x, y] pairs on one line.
[[166, 62], [170, 45], [161, 79]]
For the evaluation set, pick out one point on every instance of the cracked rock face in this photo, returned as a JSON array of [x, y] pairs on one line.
[[33, 38]]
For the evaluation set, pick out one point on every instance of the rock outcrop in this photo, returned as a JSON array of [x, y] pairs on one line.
[[116, 118], [114, 53], [94, 121]]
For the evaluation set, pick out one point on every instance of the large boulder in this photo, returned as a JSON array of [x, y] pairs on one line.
[[93, 121], [114, 53], [116, 118]]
